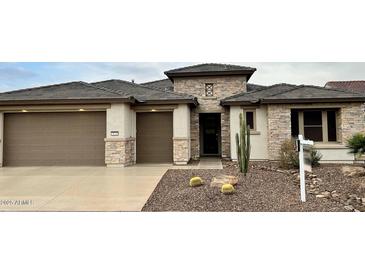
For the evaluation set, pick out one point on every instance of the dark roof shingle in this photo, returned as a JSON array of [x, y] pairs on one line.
[[142, 93], [256, 95], [210, 69], [307, 93], [64, 91], [286, 93], [163, 84]]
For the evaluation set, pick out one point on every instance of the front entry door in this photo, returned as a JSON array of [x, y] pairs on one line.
[[210, 128]]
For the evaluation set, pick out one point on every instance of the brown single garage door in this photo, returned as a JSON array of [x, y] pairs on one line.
[[60, 139], [154, 137]]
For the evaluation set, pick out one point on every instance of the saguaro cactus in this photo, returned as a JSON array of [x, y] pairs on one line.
[[243, 144]]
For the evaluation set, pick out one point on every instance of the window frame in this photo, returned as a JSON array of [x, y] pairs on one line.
[[253, 110], [324, 124]]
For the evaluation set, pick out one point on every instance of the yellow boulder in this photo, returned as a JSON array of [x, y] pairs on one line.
[[227, 189], [196, 181]]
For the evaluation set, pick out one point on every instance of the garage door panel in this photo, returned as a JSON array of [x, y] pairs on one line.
[[66, 139], [154, 137]]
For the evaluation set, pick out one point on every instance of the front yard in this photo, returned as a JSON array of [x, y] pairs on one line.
[[265, 188]]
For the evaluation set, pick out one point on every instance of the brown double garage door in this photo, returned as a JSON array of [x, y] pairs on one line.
[[77, 138], [59, 139]]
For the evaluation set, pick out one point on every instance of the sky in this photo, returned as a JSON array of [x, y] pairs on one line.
[[24, 75]]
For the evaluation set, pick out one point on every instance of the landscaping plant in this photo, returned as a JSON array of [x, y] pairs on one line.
[[316, 156], [356, 144], [243, 144], [289, 156]]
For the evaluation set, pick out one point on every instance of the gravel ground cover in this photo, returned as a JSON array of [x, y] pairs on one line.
[[265, 189]]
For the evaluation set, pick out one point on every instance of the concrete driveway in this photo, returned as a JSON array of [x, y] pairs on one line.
[[77, 188]]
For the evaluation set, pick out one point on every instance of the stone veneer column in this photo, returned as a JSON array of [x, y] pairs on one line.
[[120, 142], [194, 134], [119, 152], [279, 128], [225, 133], [181, 135]]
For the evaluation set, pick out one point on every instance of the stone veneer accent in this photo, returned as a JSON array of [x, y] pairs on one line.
[[224, 86], [350, 119], [181, 151], [226, 135], [279, 128], [194, 134], [353, 120], [120, 152]]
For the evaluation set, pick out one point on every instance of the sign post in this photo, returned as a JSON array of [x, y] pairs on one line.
[[302, 145]]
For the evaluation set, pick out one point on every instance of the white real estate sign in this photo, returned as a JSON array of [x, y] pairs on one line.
[[304, 163]]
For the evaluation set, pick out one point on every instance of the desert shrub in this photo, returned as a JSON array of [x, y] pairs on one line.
[[196, 181], [316, 156], [289, 157], [356, 144]]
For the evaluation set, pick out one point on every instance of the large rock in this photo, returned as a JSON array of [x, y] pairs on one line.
[[353, 171], [221, 180]]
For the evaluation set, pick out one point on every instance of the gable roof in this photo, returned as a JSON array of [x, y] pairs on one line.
[[65, 92], [163, 84], [286, 93], [253, 87], [144, 94], [347, 85], [210, 69], [255, 96]]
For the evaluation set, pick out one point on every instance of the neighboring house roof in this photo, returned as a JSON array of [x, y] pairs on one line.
[[210, 69], [347, 85], [163, 84], [144, 94], [285, 93], [65, 92]]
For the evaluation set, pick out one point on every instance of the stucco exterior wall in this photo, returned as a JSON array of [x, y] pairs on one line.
[[120, 150], [259, 148], [337, 154], [224, 86], [1, 138], [181, 134]]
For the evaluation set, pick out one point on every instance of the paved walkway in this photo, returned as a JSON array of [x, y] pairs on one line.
[[77, 188], [204, 163]]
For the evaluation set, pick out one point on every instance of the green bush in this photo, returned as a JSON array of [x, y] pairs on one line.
[[289, 157], [356, 144], [316, 156]]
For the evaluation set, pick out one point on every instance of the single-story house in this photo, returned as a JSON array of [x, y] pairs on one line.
[[192, 113]]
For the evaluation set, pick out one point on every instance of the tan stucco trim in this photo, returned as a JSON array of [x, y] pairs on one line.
[[180, 138], [157, 108], [119, 139]]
